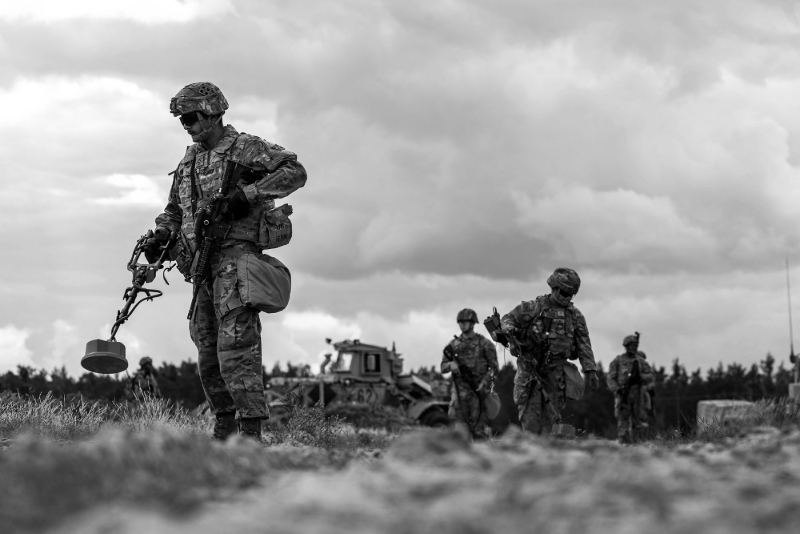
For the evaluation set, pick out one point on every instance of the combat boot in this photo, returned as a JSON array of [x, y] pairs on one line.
[[250, 428], [224, 426]]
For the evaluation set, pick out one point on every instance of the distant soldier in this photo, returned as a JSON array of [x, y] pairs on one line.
[[629, 377], [472, 360], [546, 332], [144, 381], [648, 396]]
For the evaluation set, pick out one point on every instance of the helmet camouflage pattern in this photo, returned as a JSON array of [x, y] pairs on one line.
[[199, 96], [467, 315], [566, 279], [145, 360], [630, 339]]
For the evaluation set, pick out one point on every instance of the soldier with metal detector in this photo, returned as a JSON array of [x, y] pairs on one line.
[[472, 360], [222, 206], [629, 378], [543, 335]]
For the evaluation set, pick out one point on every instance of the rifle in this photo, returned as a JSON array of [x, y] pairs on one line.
[[207, 231], [634, 379]]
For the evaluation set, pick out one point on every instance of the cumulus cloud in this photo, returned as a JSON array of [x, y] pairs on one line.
[[144, 11], [13, 349], [457, 153], [138, 190]]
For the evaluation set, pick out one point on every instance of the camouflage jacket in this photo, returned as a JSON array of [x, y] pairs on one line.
[[276, 174], [558, 333], [142, 382], [474, 352], [619, 372]]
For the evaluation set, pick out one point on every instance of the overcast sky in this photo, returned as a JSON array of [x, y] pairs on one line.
[[457, 152]]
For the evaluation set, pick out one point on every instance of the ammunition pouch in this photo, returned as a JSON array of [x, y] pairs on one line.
[[181, 254], [275, 227]]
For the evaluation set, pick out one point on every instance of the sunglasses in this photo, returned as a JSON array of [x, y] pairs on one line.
[[190, 118], [564, 293]]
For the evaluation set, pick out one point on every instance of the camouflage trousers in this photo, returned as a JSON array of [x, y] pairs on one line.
[[630, 413], [228, 340], [540, 405], [466, 408]]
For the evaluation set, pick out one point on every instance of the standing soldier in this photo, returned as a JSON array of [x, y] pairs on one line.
[[648, 394], [629, 376], [473, 361], [545, 333], [226, 332], [143, 382]]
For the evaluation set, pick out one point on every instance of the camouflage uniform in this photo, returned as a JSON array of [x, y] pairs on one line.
[[648, 392], [549, 335], [144, 383], [226, 333], [478, 354], [628, 407]]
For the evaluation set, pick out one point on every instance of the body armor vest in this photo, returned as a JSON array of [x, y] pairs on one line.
[[556, 326], [208, 168]]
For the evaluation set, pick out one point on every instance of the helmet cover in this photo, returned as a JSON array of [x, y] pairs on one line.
[[145, 360], [199, 96], [630, 339], [467, 315], [566, 279]]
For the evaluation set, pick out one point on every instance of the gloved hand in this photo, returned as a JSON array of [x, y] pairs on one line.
[[238, 205], [592, 380], [152, 247], [454, 369], [486, 383]]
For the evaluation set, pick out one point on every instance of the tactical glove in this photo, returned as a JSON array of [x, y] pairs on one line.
[[592, 380], [454, 369], [238, 205], [152, 247]]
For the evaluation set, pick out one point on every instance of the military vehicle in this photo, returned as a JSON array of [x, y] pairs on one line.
[[363, 375]]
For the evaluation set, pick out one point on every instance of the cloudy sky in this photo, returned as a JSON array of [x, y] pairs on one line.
[[457, 152]]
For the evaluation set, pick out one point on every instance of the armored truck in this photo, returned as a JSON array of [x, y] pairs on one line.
[[358, 374]]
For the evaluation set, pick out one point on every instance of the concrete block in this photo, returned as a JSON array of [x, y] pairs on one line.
[[710, 412]]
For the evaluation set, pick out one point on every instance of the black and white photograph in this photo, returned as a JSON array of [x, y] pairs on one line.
[[374, 266]]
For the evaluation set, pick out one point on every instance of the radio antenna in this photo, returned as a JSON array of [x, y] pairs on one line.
[[789, 295]]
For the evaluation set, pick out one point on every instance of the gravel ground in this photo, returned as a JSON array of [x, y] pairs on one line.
[[437, 482]]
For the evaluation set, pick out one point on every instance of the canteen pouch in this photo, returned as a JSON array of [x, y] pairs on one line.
[[275, 228], [264, 282]]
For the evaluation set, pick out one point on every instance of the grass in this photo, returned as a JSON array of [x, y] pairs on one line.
[[154, 461]]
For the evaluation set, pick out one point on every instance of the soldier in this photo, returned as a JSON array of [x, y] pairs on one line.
[[545, 333], [629, 376], [144, 381], [648, 395], [472, 360], [227, 333]]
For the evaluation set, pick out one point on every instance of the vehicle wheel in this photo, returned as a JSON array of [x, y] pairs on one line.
[[435, 418]]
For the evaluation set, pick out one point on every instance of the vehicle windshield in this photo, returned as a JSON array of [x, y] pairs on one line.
[[342, 362]]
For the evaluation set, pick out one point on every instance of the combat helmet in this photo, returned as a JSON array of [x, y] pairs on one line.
[[145, 360], [199, 96], [566, 279], [467, 315], [630, 339]]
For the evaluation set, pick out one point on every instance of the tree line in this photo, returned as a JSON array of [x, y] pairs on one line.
[[677, 390]]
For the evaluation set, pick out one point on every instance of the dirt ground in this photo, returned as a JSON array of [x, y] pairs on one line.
[[438, 482]]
